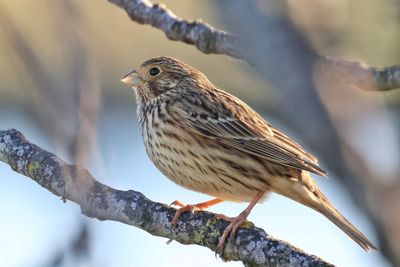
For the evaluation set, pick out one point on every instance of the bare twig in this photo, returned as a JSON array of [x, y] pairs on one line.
[[206, 38], [252, 245], [210, 40]]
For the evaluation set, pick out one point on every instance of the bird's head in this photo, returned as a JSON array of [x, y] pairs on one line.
[[161, 74]]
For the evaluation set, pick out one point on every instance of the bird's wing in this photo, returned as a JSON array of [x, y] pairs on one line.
[[245, 130]]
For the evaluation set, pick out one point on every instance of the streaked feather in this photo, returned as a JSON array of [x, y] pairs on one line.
[[242, 128]]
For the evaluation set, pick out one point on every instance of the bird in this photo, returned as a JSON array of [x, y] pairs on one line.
[[209, 141]]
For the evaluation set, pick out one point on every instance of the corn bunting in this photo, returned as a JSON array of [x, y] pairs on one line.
[[209, 141]]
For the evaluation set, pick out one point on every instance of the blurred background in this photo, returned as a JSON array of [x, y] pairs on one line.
[[60, 66]]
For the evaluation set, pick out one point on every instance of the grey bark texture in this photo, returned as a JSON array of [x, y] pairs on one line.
[[210, 40], [206, 38], [251, 245]]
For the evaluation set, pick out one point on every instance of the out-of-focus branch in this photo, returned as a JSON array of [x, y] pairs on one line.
[[211, 40], [361, 75], [284, 56], [42, 89], [252, 245], [67, 109], [68, 114]]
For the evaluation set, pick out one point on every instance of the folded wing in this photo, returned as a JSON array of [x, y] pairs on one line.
[[249, 133]]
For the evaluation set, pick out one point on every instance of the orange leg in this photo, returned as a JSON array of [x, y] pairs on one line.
[[236, 222], [191, 208]]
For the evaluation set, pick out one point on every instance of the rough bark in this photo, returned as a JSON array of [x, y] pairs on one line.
[[195, 32], [252, 245]]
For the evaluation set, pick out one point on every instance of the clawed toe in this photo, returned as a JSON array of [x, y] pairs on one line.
[[235, 223], [224, 217], [181, 210], [177, 203], [191, 208]]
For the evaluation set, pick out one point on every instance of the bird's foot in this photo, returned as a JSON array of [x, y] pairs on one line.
[[191, 208], [235, 223], [182, 209], [177, 203]]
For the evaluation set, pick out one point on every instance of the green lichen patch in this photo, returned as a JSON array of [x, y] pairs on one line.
[[32, 169], [212, 228], [206, 232], [247, 225]]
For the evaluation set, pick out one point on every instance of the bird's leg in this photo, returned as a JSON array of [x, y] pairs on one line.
[[236, 222], [191, 208]]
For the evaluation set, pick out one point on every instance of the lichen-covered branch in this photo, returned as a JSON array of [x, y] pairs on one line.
[[252, 245], [210, 40]]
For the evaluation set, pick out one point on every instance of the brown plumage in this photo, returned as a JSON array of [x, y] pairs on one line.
[[209, 141]]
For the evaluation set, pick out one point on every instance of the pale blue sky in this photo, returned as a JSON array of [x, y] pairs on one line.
[[35, 223]]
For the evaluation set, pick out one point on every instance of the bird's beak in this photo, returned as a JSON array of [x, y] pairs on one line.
[[131, 79]]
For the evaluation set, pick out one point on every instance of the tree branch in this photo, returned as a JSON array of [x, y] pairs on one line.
[[210, 40], [206, 38], [362, 75], [252, 245]]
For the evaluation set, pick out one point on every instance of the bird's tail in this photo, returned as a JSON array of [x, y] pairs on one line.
[[327, 209]]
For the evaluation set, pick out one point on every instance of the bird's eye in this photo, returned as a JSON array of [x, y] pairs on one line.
[[154, 71]]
